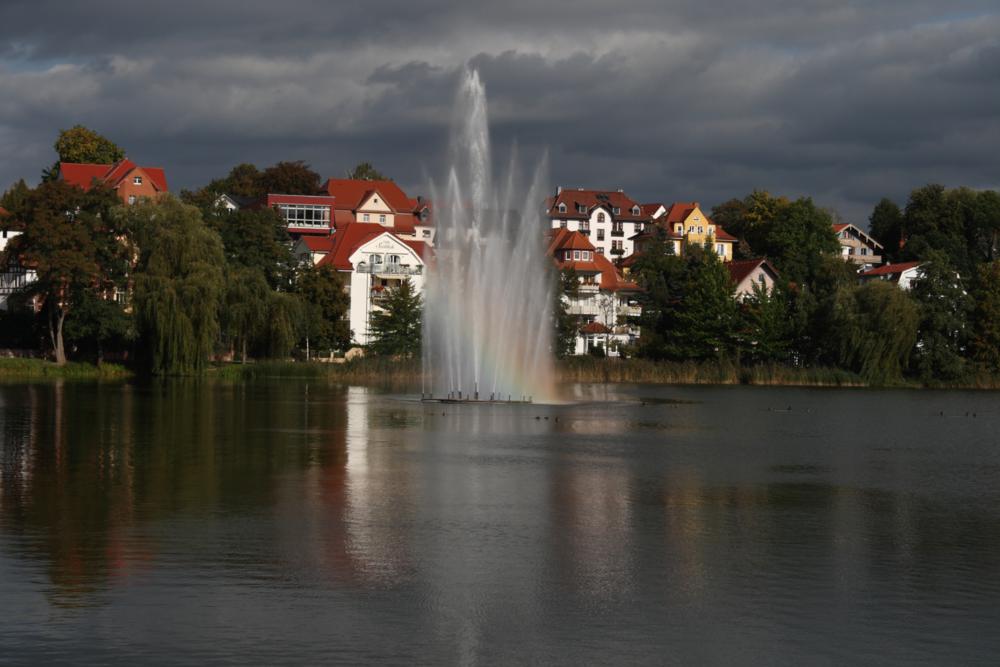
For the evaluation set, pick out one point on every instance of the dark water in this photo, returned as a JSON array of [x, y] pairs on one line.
[[308, 523]]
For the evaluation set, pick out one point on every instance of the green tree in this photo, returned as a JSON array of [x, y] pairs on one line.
[[985, 339], [945, 308], [796, 239], [75, 248], [366, 171], [395, 327], [243, 180], [285, 316], [15, 197], [290, 178], [326, 299], [98, 323], [256, 239], [886, 226], [876, 326], [80, 144], [933, 222], [244, 308], [983, 225], [179, 282], [764, 325], [566, 325]]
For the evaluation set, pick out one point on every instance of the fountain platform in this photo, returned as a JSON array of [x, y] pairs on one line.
[[495, 400]]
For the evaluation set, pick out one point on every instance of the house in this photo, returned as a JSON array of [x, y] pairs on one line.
[[310, 249], [746, 274], [232, 202], [383, 203], [683, 223], [903, 273], [604, 300], [130, 181], [375, 259], [305, 215], [14, 275], [610, 219], [857, 246]]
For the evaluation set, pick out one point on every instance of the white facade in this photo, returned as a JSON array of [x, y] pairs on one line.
[[382, 263], [609, 236]]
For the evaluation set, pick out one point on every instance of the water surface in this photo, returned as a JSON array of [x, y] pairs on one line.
[[294, 521]]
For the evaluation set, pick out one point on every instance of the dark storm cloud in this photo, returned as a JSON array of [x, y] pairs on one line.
[[677, 100]]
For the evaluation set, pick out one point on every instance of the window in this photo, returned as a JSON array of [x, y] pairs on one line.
[[376, 259], [600, 251], [701, 230], [137, 180], [131, 199], [562, 208], [576, 254], [425, 233], [600, 217], [691, 229], [305, 215], [864, 251], [381, 218], [392, 260], [365, 217], [587, 256], [581, 208], [600, 234], [562, 224], [616, 211], [720, 249], [635, 210]]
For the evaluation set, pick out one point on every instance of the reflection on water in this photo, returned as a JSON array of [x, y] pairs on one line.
[[643, 524]]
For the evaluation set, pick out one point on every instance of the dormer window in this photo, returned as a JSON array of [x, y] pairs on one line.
[[137, 180], [581, 208], [635, 210], [562, 207], [616, 211]]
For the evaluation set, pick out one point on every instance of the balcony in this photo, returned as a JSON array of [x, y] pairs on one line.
[[618, 232], [617, 251], [389, 269]]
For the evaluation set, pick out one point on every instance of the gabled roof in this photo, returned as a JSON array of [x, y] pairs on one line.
[[840, 227], [610, 278], [318, 244], [891, 269], [651, 209], [84, 175], [739, 269], [349, 238], [592, 199], [351, 193]]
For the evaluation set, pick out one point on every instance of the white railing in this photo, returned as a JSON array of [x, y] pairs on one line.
[[389, 269]]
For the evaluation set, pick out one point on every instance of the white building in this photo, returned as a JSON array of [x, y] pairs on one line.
[[857, 246], [608, 218], [376, 260], [903, 274], [604, 302]]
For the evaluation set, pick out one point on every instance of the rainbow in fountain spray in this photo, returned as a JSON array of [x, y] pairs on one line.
[[488, 301]]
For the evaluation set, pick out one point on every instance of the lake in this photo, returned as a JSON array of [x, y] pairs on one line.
[[299, 521]]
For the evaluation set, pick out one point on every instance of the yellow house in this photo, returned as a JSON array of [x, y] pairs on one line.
[[685, 223]]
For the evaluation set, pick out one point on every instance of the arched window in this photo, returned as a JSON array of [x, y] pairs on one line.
[[635, 210], [600, 217], [562, 208]]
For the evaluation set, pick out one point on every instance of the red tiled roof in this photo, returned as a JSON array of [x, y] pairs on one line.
[[679, 211], [890, 269], [610, 280], [419, 247], [650, 209], [573, 240], [592, 199], [739, 269], [840, 227], [722, 235], [319, 243], [342, 218], [351, 193], [352, 236], [84, 175]]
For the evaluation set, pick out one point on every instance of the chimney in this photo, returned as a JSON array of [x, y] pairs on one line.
[[621, 190]]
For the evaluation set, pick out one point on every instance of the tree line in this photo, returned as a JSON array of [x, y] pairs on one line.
[[172, 282], [946, 329]]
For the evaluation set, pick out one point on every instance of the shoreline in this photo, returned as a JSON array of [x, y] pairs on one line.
[[584, 370]]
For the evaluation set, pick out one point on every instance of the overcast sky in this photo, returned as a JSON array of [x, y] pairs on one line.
[[670, 100]]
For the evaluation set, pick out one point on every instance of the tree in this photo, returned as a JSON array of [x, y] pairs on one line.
[[395, 326], [944, 314], [933, 223], [795, 239], [985, 339], [366, 171], [75, 247], [876, 326], [256, 239], [983, 225], [290, 178], [323, 290], [565, 324], [98, 322], [178, 285], [886, 226], [244, 308], [243, 180], [285, 314], [16, 196], [764, 325], [82, 145]]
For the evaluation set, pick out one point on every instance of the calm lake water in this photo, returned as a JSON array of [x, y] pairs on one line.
[[294, 521]]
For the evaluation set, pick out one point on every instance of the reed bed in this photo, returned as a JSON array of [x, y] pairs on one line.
[[22, 369]]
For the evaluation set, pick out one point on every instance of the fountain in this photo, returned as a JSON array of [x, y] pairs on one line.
[[487, 328]]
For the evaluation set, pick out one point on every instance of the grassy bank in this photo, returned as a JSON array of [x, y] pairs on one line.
[[375, 370], [26, 369], [588, 369]]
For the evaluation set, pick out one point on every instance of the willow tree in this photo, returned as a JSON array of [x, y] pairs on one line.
[[876, 326], [178, 285]]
